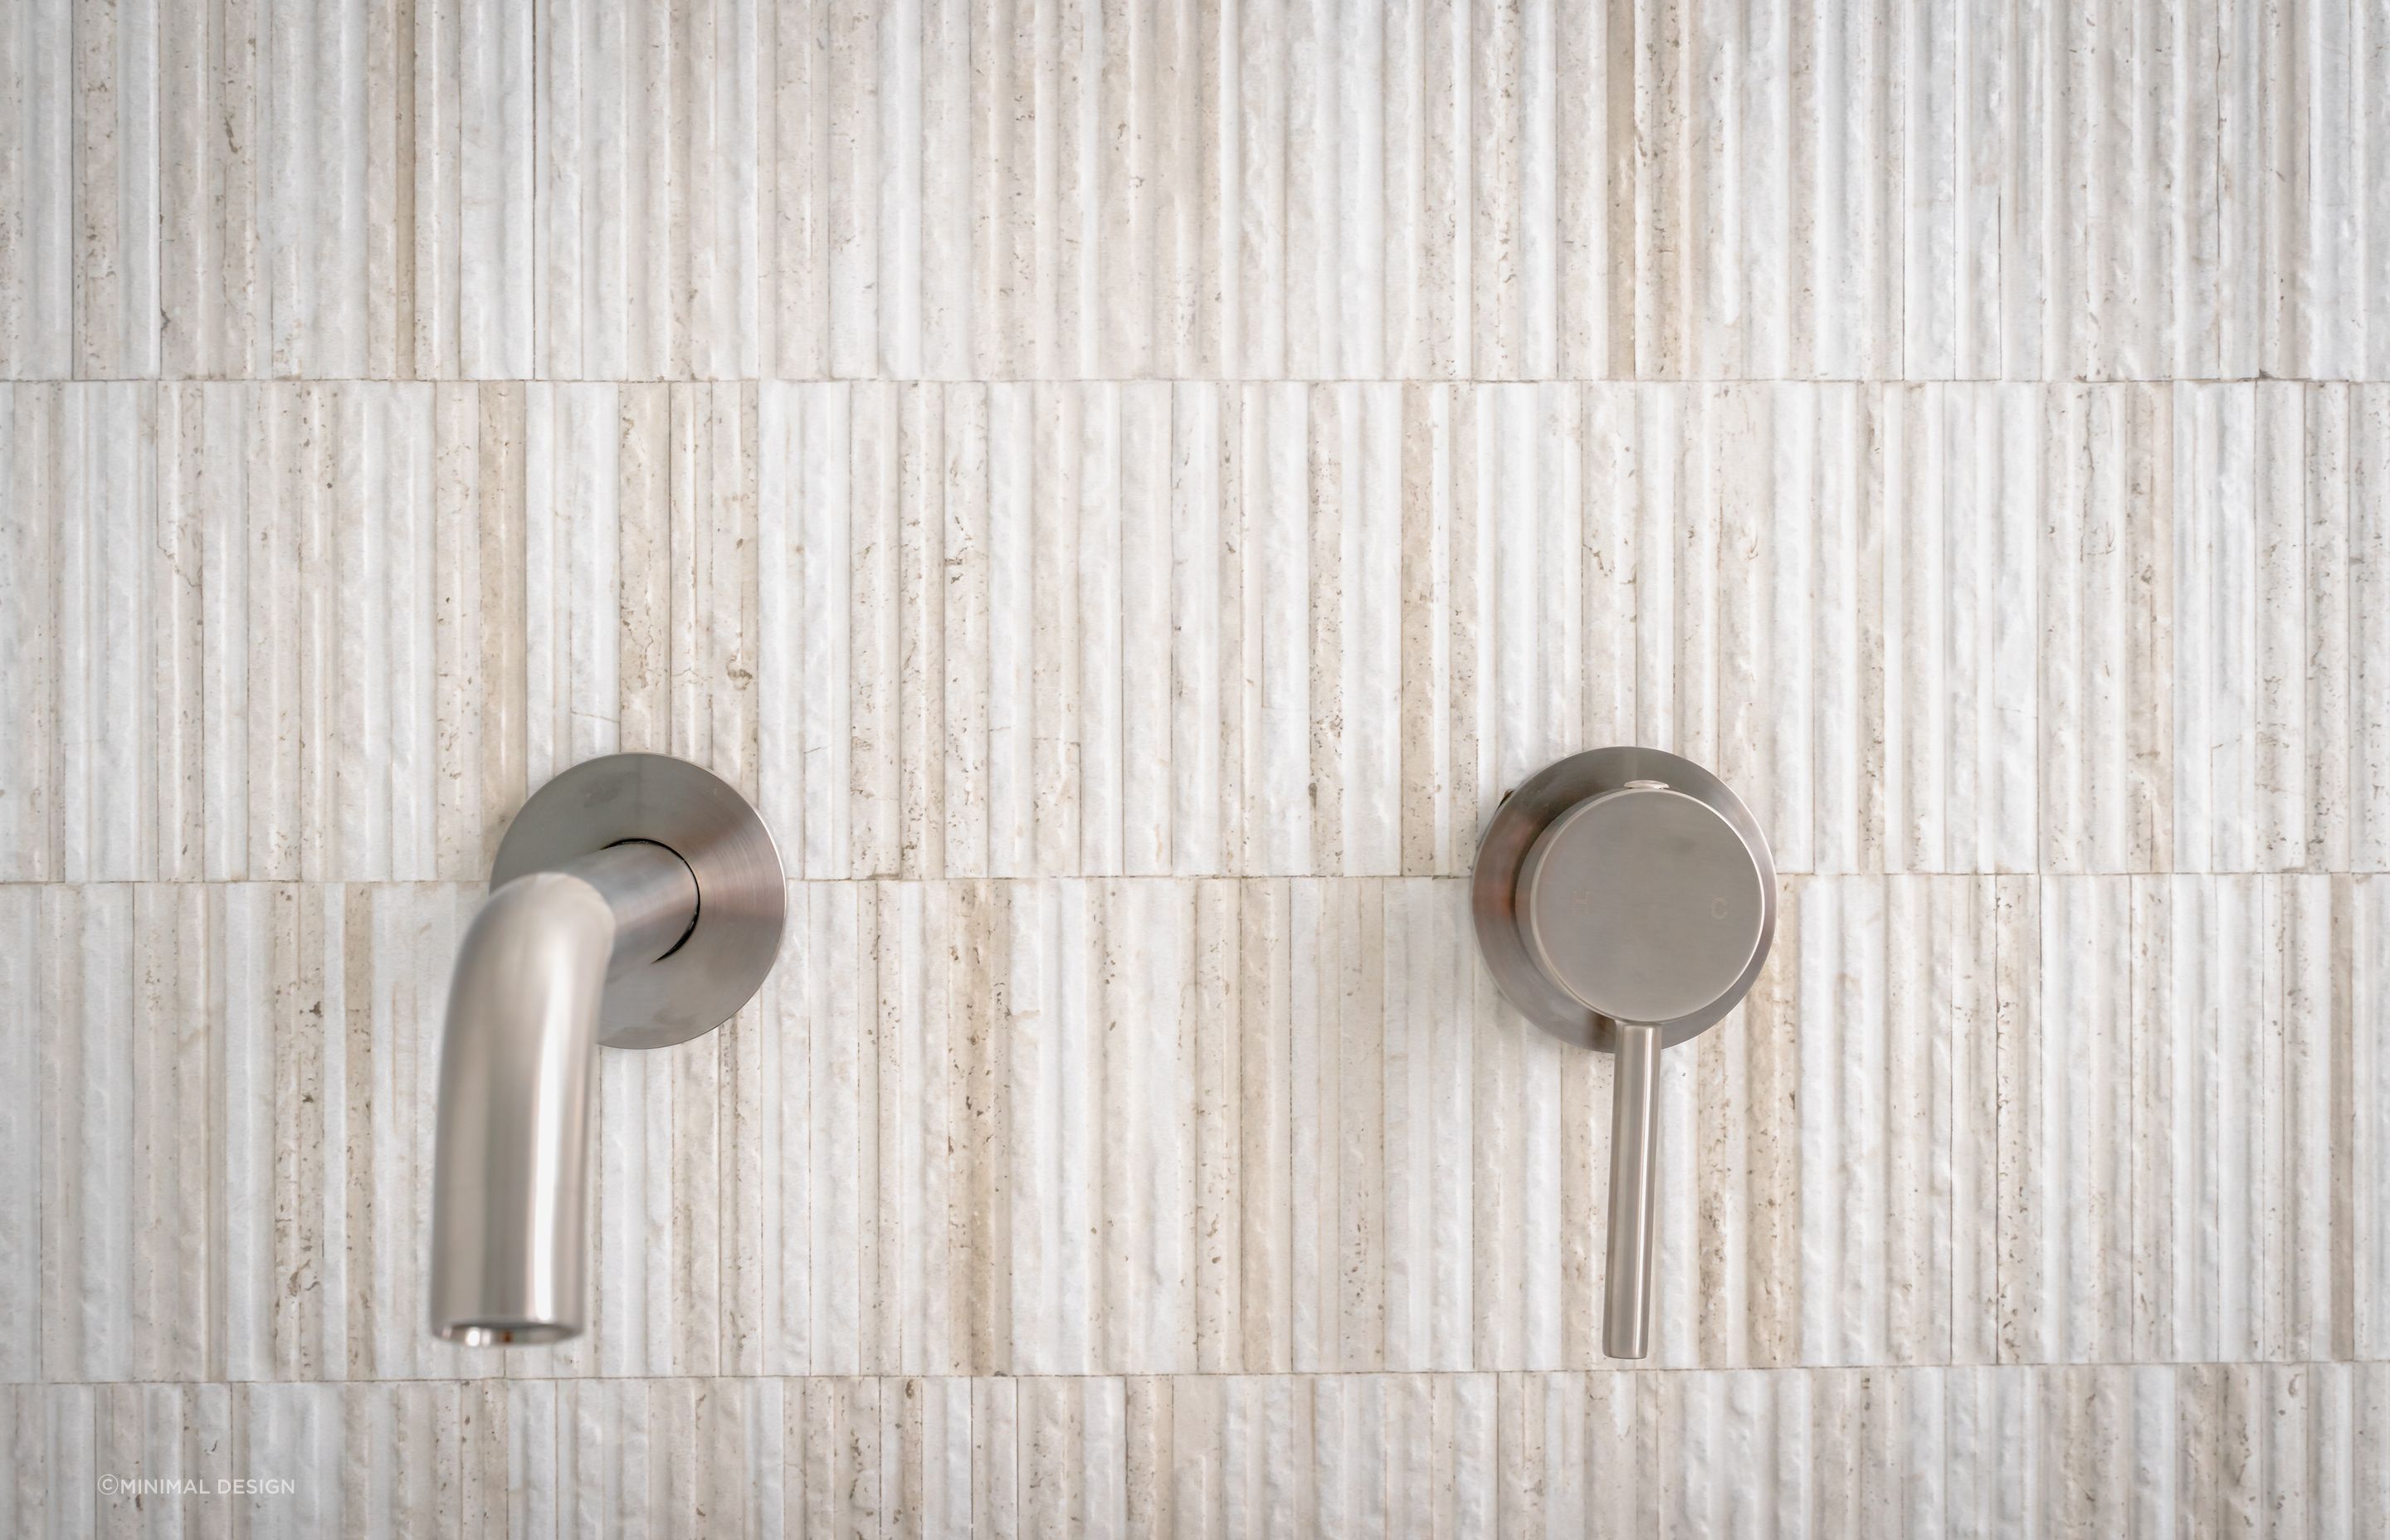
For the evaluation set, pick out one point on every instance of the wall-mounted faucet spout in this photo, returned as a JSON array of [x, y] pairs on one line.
[[636, 902], [510, 1176]]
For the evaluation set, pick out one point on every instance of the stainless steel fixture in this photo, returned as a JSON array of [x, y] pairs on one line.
[[1625, 901], [636, 901]]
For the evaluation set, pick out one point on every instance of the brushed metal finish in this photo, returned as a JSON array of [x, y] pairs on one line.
[[1634, 1186], [637, 903], [1625, 899], [1510, 836], [510, 1170], [1670, 941], [742, 895]]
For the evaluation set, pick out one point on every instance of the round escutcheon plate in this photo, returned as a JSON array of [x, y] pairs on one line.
[[1625, 884], [741, 897]]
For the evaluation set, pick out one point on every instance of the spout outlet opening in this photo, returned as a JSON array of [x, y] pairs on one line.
[[505, 1333]]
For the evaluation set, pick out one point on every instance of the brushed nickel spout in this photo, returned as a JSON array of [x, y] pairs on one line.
[[636, 901]]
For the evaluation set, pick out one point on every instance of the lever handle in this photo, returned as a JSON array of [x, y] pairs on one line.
[[1624, 899], [1634, 1184]]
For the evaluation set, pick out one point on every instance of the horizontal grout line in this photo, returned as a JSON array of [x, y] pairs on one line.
[[1276, 1375], [85, 885], [1210, 380]]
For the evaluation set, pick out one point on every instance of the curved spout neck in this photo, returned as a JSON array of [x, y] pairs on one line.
[[509, 1231]]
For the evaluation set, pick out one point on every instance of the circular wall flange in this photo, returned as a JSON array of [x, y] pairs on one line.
[[1560, 795], [742, 899]]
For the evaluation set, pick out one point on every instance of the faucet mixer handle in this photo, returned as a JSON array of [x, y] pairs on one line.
[[1625, 899]]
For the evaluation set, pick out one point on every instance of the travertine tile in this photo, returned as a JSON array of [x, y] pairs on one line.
[[1128, 487], [38, 193], [1448, 191], [1838, 594], [1072, 1125]]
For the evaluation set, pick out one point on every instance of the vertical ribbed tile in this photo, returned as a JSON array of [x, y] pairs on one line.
[[1008, 597], [1429, 1316], [38, 191], [1279, 835], [24, 1127], [208, 114], [1963, 746], [995, 1460], [50, 1433], [1518, 1290], [173, 1100], [919, 603], [801, 527], [2361, 967], [462, 838], [2066, 1210], [1858, 183], [1942, 995], [1776, 616], [29, 620], [1426, 837], [875, 792], [284, 566], [2347, 643], [1056, 934], [2225, 1248], [201, 497], [1847, 1162], [573, 521], [868, 587], [327, 230], [383, 718], [294, 1428], [923, 1013], [2241, 575], [1265, 1010], [837, 1130], [1527, 555], [477, 165], [850, 150], [340, 554], [303, 1108], [644, 555], [1055, 703], [1568, 1460], [1767, 1296], [29, 609], [2106, 603], [1338, 1120], [637, 1454], [2316, 1307], [99, 586], [653, 130], [240, 994], [170, 1435], [398, 943], [88, 1167], [966, 588], [1147, 1313], [1134, 760], [115, 155], [1212, 1050], [834, 1442], [715, 578]]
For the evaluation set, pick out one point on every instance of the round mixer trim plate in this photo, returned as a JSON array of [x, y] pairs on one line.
[[1502, 879]]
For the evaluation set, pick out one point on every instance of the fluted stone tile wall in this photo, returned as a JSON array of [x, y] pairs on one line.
[[1126, 487]]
